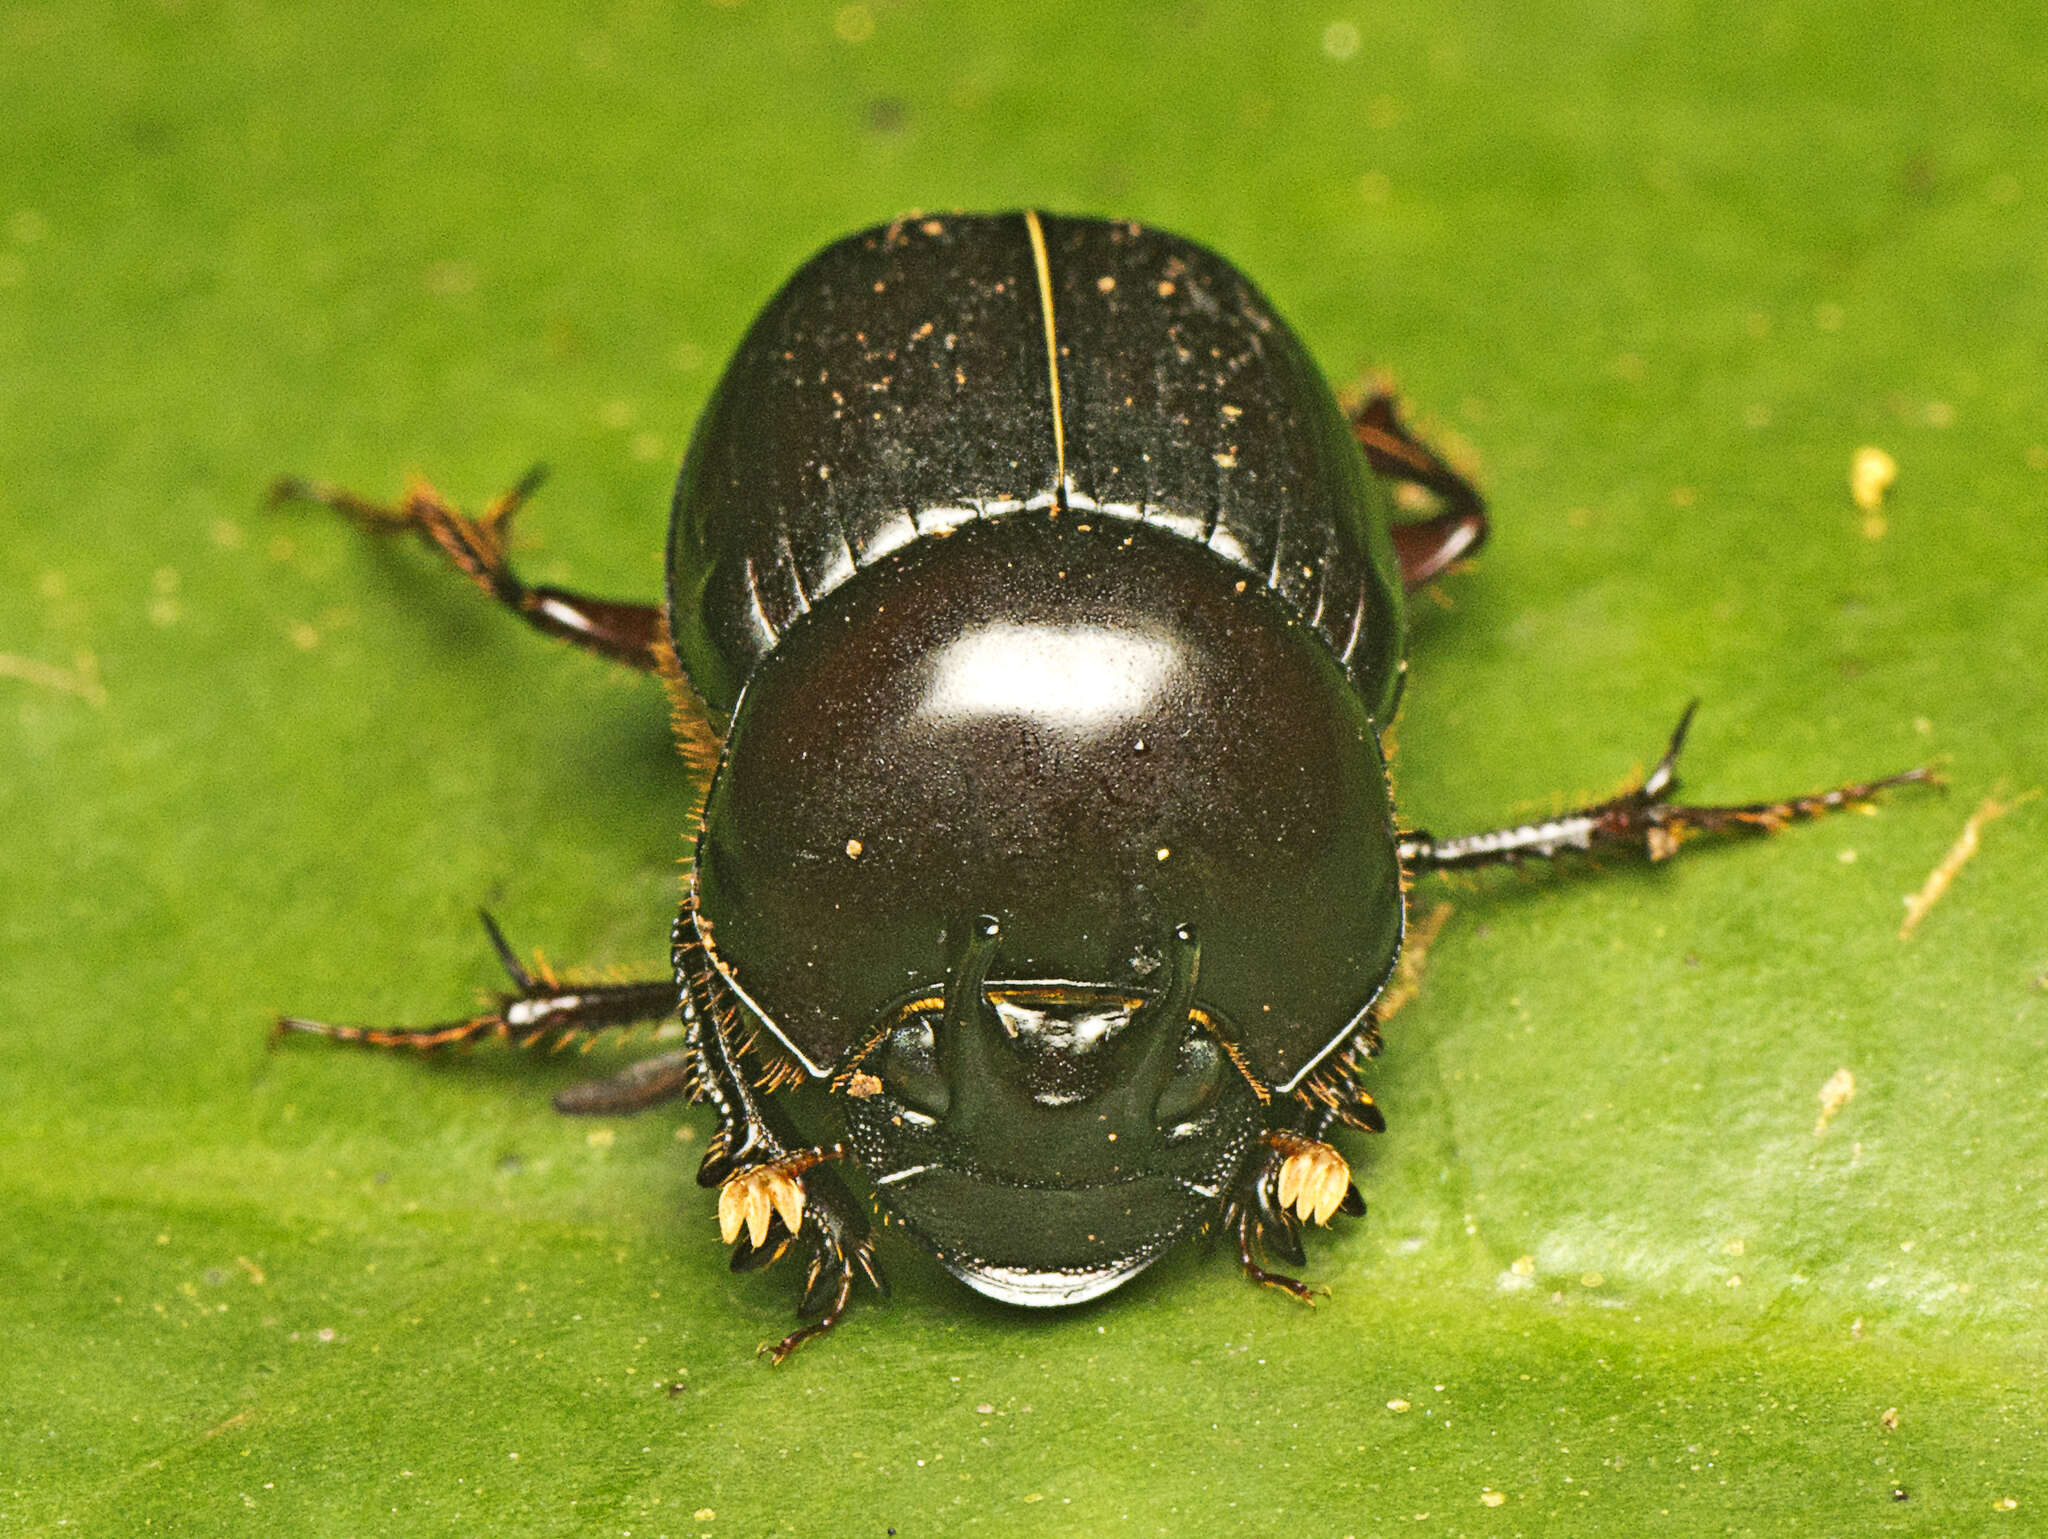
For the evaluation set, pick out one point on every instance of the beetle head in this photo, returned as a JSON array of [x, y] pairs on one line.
[[1048, 1140]]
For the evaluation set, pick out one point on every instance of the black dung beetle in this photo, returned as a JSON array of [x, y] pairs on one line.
[[1038, 612]]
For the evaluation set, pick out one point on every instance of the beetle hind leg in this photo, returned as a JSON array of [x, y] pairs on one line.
[[1425, 547], [478, 547], [633, 1089]]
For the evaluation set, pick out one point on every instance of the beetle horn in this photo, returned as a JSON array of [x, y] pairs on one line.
[[964, 1048], [1161, 1024]]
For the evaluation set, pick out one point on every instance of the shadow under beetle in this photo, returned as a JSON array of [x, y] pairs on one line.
[[1037, 612]]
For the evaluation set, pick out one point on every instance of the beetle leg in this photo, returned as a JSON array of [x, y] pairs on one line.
[[1291, 1176], [773, 1190], [538, 1007], [1337, 1087], [633, 1089], [624, 633], [1644, 818], [1428, 547]]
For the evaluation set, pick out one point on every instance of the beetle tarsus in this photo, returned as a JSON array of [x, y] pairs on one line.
[[841, 1293], [1248, 1238], [1643, 818], [478, 548]]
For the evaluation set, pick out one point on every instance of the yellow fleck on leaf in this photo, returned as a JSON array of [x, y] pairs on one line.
[[83, 680], [1491, 1498], [703, 1514], [1871, 473], [1397, 1405], [1524, 1266]]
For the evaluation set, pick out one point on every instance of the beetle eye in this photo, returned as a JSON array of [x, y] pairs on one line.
[[910, 1069], [1197, 1077]]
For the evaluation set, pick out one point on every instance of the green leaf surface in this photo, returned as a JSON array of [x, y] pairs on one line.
[[1657, 269]]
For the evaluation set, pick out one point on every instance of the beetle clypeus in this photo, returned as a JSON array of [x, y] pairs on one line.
[[1038, 615]]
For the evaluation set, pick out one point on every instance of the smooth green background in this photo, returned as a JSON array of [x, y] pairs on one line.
[[1656, 268]]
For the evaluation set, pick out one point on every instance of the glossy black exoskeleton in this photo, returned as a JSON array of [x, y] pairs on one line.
[[1041, 613]]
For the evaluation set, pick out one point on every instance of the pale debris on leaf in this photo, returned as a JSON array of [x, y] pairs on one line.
[[1835, 1094], [82, 680], [1959, 855], [1407, 982]]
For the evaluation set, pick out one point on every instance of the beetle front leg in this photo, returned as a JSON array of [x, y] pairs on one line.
[[774, 1192], [477, 547], [1644, 818], [1290, 1177]]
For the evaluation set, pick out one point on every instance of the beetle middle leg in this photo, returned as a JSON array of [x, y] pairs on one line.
[[1644, 818], [476, 546], [540, 1006]]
